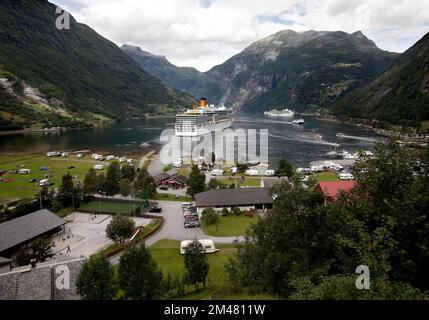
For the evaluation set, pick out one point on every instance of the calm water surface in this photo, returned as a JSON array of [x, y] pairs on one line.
[[293, 142]]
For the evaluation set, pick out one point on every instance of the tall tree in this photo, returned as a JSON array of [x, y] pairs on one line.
[[96, 280], [111, 186], [196, 181], [89, 183], [120, 228], [285, 168], [99, 184], [67, 191], [125, 187], [128, 172], [39, 250], [144, 185], [139, 276], [196, 264]]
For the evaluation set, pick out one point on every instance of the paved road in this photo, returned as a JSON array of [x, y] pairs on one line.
[[173, 228]]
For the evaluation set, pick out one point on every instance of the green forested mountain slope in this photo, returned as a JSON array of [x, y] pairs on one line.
[[53, 76], [302, 71], [400, 95]]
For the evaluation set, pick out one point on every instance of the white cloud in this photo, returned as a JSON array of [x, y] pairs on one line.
[[203, 33]]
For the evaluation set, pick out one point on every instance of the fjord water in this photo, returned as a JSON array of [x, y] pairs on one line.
[[294, 142]]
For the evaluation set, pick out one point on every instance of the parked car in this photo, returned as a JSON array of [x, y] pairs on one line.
[[191, 224], [191, 217], [155, 209], [24, 171]]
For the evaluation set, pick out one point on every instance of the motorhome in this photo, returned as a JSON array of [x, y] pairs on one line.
[[99, 157], [44, 182], [208, 245], [346, 176], [217, 172], [252, 172]]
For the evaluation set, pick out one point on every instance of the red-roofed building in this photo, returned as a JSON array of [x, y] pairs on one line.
[[332, 189]]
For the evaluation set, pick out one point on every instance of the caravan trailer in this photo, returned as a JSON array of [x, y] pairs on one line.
[[98, 167], [208, 245]]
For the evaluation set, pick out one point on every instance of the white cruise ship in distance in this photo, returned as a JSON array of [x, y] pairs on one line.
[[203, 119], [285, 113]]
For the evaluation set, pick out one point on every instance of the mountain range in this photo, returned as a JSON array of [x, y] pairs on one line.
[[400, 95], [75, 77], [303, 71]]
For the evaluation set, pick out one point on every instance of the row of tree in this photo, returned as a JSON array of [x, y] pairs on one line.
[[304, 249], [123, 180], [138, 276]]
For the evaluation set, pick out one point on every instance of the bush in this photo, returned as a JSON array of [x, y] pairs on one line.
[[236, 211]]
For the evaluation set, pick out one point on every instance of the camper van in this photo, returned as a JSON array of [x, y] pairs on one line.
[[217, 172], [346, 176], [24, 171], [44, 182], [98, 167], [208, 245]]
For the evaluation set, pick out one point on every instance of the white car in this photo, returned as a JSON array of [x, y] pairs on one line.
[[346, 176], [251, 172], [24, 171], [44, 182]]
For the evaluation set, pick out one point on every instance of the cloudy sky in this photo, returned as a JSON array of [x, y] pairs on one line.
[[204, 33]]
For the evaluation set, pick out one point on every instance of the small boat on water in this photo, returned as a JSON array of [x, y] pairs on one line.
[[282, 114], [298, 121], [340, 135]]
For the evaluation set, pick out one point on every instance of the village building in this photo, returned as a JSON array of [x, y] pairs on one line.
[[332, 189], [21, 231], [246, 199]]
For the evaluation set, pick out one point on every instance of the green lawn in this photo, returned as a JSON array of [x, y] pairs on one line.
[[107, 206], [170, 197], [20, 187], [230, 226], [168, 257], [326, 176], [247, 182]]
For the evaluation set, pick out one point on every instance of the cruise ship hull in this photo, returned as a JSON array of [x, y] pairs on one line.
[[205, 129]]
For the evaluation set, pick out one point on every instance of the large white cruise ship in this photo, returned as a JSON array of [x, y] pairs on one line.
[[203, 119]]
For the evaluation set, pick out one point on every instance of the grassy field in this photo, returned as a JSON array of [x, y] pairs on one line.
[[326, 176], [20, 187], [168, 257], [107, 206], [230, 226], [170, 197], [166, 254], [247, 182]]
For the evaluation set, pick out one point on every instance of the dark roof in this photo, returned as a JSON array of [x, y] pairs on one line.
[[20, 230], [160, 177], [5, 261], [179, 179], [234, 197]]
